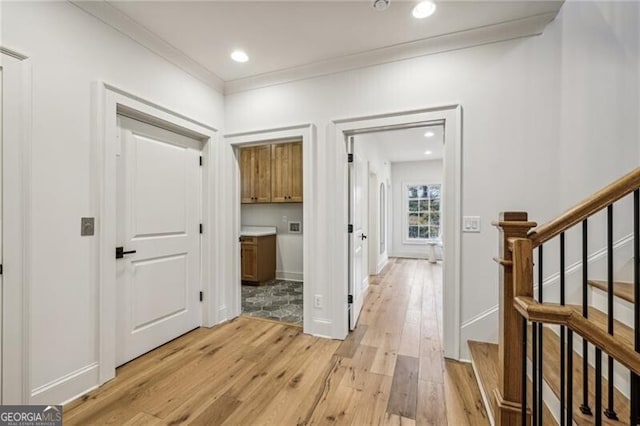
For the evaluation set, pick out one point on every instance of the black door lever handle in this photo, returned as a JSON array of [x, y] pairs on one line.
[[120, 252]]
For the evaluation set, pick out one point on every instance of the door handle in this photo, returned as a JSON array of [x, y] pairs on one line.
[[120, 252], [364, 237]]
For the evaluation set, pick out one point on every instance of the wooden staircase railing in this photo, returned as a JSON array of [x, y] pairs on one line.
[[519, 306]]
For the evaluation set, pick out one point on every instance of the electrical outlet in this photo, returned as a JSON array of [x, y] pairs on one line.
[[317, 301], [471, 224]]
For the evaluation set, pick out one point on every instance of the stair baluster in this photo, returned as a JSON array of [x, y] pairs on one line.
[[598, 393], [610, 411], [524, 379], [634, 413], [563, 376], [584, 408], [538, 382]]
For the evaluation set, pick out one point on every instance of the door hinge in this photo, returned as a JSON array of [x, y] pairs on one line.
[[201, 296], [350, 229], [201, 160], [1, 270], [349, 158], [350, 298], [201, 229]]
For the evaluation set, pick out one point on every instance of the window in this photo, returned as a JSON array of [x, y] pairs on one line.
[[422, 212]]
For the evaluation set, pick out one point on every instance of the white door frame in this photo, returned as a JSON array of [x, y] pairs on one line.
[[451, 117], [306, 132], [108, 102], [16, 227]]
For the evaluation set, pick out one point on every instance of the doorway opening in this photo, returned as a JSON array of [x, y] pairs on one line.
[[450, 118], [271, 230], [406, 164]]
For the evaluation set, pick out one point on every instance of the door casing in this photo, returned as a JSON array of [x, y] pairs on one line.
[[16, 211], [306, 133], [451, 117], [109, 102]]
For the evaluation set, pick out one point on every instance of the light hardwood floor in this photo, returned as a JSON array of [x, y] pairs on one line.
[[389, 371]]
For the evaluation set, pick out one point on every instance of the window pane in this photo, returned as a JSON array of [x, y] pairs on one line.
[[412, 191], [414, 219], [413, 205], [424, 218], [423, 191], [435, 232], [435, 205], [413, 232], [434, 219], [424, 205], [434, 192], [424, 232]]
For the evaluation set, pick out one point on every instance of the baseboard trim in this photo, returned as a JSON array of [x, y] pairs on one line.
[[290, 276], [321, 328], [68, 387]]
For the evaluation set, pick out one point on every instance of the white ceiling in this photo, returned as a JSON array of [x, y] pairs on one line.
[[303, 34], [406, 144]]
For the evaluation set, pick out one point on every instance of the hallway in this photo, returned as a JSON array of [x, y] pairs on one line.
[[390, 370]]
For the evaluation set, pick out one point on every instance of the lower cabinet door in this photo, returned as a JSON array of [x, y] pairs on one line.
[[249, 262]]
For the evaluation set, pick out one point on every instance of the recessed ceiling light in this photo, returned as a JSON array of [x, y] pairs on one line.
[[380, 5], [424, 9], [427, 153], [239, 56], [429, 134]]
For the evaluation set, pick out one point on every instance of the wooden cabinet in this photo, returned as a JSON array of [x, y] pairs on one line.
[[286, 172], [258, 258], [255, 173]]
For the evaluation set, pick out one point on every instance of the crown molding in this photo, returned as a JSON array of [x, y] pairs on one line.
[[140, 34], [503, 31], [509, 30]]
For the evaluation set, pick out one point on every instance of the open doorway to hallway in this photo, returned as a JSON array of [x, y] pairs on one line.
[[395, 203]]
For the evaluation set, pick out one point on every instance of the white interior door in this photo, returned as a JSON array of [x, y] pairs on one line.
[[357, 274], [158, 228]]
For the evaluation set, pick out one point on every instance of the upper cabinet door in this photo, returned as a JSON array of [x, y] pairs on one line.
[[280, 173], [247, 165], [295, 180], [262, 174]]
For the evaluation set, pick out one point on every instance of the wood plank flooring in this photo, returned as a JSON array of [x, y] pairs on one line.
[[389, 371]]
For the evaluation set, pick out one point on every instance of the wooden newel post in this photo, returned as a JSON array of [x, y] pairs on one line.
[[508, 394]]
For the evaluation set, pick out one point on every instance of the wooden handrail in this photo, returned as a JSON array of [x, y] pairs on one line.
[[601, 199], [550, 313]]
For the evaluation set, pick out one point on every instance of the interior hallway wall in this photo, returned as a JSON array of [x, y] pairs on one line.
[[547, 120], [70, 51]]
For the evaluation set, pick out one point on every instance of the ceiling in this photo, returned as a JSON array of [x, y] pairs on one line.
[[406, 144], [310, 36]]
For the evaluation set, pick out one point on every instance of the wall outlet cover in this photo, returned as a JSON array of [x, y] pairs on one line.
[[471, 224], [87, 226]]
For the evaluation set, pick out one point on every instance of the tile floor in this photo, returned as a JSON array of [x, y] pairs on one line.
[[276, 300]]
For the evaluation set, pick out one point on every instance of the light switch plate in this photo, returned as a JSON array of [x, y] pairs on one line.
[[471, 224], [87, 226]]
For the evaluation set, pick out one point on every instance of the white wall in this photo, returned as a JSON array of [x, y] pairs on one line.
[[288, 246], [427, 172], [69, 51], [547, 120]]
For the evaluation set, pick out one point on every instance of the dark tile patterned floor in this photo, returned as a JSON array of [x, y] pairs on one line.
[[276, 300]]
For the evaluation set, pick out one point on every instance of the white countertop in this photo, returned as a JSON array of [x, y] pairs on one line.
[[257, 231]]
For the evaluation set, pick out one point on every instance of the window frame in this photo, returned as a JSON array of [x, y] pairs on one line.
[[405, 216]]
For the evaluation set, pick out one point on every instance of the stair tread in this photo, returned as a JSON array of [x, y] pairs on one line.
[[551, 374], [485, 359], [623, 332], [621, 289]]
